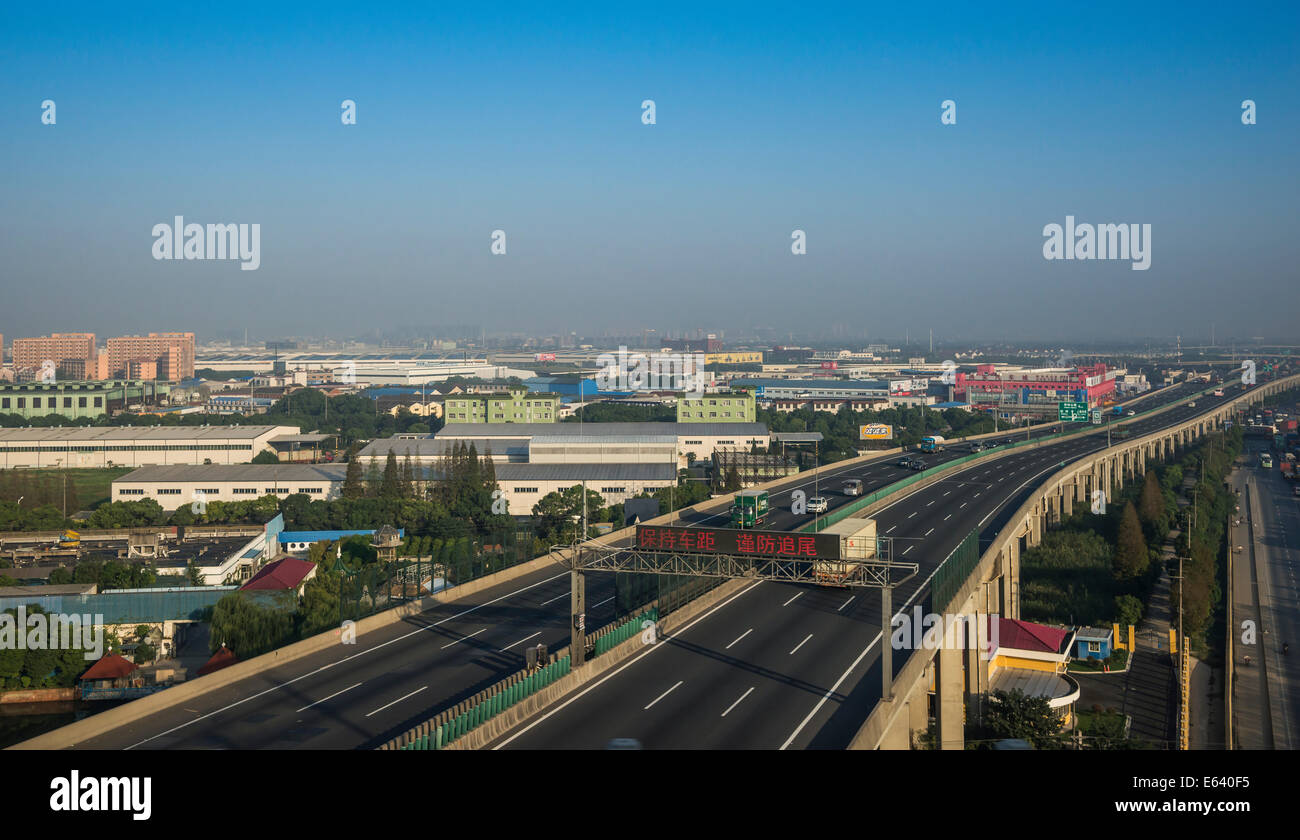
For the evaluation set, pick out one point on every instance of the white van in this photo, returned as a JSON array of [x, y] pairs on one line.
[[853, 487]]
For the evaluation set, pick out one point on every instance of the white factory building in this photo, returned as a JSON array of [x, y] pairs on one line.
[[524, 484], [135, 446], [624, 443]]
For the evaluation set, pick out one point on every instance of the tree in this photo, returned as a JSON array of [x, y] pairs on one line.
[[1131, 558], [353, 486], [390, 486], [1014, 715], [1128, 610], [1151, 506], [266, 456]]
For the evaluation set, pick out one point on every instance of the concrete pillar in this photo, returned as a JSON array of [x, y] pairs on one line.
[[949, 708], [1067, 502], [1036, 525], [918, 707]]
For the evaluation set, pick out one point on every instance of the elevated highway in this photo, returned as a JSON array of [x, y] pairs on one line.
[[788, 666]]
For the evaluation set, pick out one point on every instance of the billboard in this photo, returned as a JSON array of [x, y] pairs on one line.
[[544, 357], [876, 431], [830, 365], [735, 541]]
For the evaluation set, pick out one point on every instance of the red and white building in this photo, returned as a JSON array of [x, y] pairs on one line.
[[1034, 390]]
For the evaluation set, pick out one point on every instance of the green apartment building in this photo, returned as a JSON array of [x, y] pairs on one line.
[[736, 407], [518, 405], [74, 400]]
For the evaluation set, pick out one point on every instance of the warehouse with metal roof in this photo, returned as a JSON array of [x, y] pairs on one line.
[[135, 446]]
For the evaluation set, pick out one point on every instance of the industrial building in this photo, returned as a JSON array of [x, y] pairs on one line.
[[624, 442], [523, 484], [829, 388], [736, 407], [135, 446], [516, 405], [1034, 391], [76, 399]]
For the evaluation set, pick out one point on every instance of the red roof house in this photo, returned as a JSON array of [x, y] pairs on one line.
[[224, 657], [110, 667], [1025, 635], [285, 573]]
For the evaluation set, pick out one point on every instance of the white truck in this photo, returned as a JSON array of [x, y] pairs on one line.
[[857, 543]]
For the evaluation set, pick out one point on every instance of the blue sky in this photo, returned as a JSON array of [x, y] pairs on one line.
[[526, 118]]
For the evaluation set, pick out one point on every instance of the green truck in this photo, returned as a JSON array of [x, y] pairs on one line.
[[749, 508]]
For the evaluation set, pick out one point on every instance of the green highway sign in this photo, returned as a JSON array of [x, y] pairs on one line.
[[1072, 412]]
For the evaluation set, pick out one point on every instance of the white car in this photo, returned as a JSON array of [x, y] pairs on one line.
[[817, 504]]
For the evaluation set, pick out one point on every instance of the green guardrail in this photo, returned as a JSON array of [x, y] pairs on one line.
[[953, 572], [445, 728], [625, 631], [442, 734]]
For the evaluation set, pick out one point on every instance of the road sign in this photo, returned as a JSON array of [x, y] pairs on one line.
[[1072, 412], [1096, 417]]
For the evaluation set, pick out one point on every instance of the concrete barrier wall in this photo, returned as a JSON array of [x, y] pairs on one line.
[[38, 695]]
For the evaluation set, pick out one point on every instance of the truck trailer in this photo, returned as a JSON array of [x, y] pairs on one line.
[[857, 543]]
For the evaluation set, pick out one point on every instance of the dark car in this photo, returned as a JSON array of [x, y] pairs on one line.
[[977, 447], [918, 464], [905, 462]]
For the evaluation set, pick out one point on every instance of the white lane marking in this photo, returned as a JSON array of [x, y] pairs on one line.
[[927, 504], [648, 650], [737, 703], [910, 515], [909, 548], [521, 641], [606, 601], [738, 638], [801, 644], [931, 531], [787, 603], [947, 493], [398, 700], [891, 530], [323, 699], [665, 694], [946, 518], [556, 598], [963, 504], [349, 658], [463, 638], [846, 603]]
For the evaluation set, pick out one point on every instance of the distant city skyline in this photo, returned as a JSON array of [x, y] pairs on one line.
[[829, 125]]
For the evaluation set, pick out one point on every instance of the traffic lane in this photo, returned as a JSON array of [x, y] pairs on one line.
[[772, 711], [767, 668], [607, 707], [296, 680], [1274, 539], [374, 702]]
